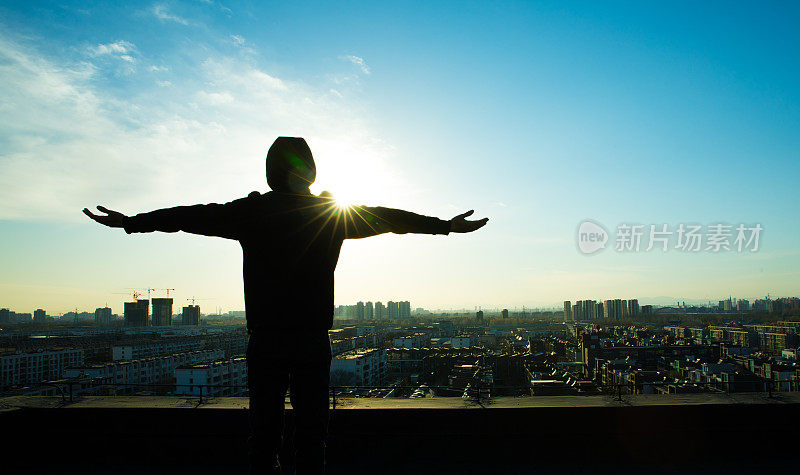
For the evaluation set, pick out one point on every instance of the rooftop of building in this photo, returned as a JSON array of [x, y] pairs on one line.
[[211, 364], [355, 353], [13, 403], [693, 433]]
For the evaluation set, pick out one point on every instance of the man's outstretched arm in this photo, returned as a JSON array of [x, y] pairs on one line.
[[364, 221], [223, 220]]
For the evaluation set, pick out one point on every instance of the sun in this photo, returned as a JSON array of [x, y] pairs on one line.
[[353, 177], [343, 203]]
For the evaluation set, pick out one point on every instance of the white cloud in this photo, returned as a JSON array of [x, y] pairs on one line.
[[238, 40], [358, 61], [227, 11], [162, 13], [123, 51], [67, 142], [215, 98], [118, 49]]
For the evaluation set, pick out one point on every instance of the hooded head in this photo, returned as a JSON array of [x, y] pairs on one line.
[[290, 166]]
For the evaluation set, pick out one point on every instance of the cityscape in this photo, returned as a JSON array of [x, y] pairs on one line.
[[399, 237], [611, 353], [389, 351]]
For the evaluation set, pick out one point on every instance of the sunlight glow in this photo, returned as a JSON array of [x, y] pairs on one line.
[[353, 173], [343, 203]]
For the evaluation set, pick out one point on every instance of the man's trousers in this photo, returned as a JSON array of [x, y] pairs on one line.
[[299, 361]]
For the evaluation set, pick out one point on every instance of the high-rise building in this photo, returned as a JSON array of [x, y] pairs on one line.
[[360, 311], [102, 316], [191, 315], [567, 310], [586, 310], [380, 311], [5, 315], [404, 309], [633, 308], [727, 305], [591, 306], [504, 313], [479, 315], [392, 310], [39, 315], [136, 313], [162, 312], [369, 311], [742, 305], [615, 309]]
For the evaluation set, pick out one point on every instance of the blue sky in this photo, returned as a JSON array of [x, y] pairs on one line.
[[536, 115]]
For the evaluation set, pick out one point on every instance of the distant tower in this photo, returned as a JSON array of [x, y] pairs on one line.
[[505, 313], [136, 313], [191, 315], [392, 310], [39, 315], [162, 312], [567, 310], [404, 309], [633, 307], [380, 311], [102, 316]]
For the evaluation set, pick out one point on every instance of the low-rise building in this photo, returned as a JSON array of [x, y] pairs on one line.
[[359, 368], [25, 368], [217, 378], [130, 376], [148, 349], [417, 340]]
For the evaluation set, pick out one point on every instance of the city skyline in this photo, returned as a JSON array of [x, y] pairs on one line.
[[537, 116], [344, 310]]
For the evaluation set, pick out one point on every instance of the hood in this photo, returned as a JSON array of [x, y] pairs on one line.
[[290, 165]]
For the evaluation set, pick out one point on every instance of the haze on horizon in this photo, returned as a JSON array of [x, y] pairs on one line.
[[537, 116]]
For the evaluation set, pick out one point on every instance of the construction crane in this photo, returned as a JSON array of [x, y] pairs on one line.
[[168, 291], [195, 298], [136, 294]]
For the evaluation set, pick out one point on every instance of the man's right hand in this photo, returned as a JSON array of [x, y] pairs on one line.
[[114, 219], [460, 224]]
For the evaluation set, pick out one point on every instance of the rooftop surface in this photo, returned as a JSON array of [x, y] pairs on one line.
[[692, 433], [436, 403]]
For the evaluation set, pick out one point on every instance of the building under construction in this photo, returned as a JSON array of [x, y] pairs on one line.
[[162, 312], [191, 315], [136, 313]]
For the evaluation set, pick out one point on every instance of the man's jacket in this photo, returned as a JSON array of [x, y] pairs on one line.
[[290, 245]]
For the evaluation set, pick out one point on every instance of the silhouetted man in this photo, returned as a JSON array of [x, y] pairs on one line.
[[290, 243]]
